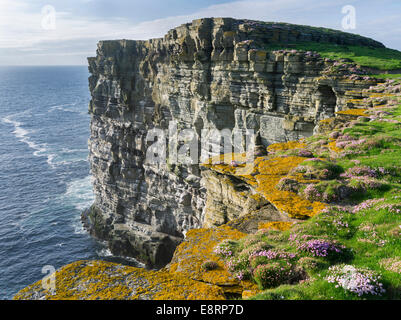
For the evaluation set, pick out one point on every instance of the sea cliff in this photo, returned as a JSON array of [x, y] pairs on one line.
[[326, 152], [208, 74]]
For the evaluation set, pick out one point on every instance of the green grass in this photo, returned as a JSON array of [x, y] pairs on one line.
[[365, 255], [394, 76], [378, 58], [366, 230]]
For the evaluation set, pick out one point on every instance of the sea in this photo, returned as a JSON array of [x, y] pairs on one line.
[[45, 181]]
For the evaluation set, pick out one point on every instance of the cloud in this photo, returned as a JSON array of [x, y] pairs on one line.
[[75, 35]]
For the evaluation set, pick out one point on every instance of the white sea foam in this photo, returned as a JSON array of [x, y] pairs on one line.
[[67, 156], [61, 107], [80, 195], [104, 252], [23, 136], [64, 108], [80, 192], [54, 158]]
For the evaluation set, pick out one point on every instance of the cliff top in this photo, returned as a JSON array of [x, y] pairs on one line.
[[280, 32], [208, 33]]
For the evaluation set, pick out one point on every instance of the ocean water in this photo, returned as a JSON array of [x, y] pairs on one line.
[[44, 173]]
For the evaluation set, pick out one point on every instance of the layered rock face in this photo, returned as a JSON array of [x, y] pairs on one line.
[[209, 74]]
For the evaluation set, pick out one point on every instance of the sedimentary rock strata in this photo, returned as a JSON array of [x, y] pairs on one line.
[[209, 74]]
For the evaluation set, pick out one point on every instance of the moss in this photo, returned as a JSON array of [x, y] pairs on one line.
[[318, 168], [309, 263], [331, 191]]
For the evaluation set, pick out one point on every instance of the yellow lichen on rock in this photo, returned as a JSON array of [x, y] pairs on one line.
[[246, 294], [236, 164], [197, 248], [271, 171], [333, 146], [101, 280], [353, 112], [282, 146], [265, 174], [328, 120], [183, 278], [380, 95]]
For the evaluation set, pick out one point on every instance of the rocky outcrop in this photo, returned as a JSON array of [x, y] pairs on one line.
[[183, 279], [209, 74], [228, 199], [101, 280]]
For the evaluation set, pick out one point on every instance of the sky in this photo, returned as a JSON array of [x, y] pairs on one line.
[[65, 32]]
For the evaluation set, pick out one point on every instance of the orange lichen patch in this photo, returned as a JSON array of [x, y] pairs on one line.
[[356, 101], [276, 225], [231, 163], [257, 197], [95, 280], [246, 294], [226, 158], [277, 167], [197, 248], [333, 146], [235, 164], [265, 175], [353, 112], [282, 146], [354, 92], [184, 278], [380, 95], [271, 171], [327, 121], [249, 289], [301, 179], [292, 204], [249, 285]]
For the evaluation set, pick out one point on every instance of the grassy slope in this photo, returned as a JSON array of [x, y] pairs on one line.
[[378, 58], [371, 235], [364, 254]]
